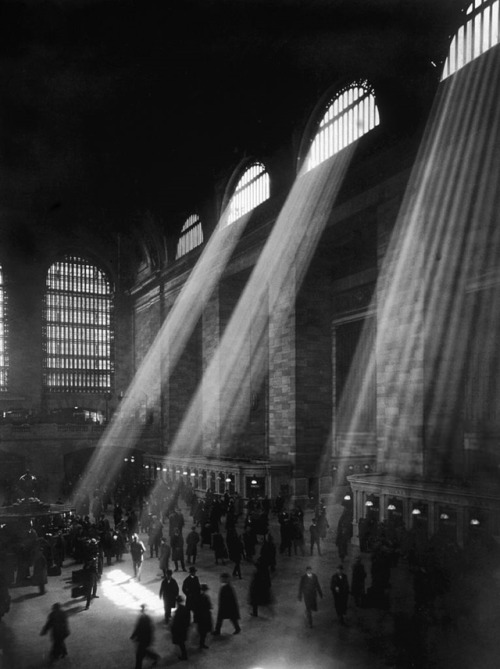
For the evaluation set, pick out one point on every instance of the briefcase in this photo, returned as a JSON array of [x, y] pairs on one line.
[[77, 591]]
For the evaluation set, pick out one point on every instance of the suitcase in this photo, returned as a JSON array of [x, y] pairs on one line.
[[78, 591], [77, 576]]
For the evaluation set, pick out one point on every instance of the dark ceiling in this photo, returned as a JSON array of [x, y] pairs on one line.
[[113, 107]]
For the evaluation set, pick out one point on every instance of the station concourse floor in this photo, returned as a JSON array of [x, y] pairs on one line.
[[279, 639]]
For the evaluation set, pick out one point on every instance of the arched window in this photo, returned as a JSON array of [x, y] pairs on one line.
[[4, 362], [477, 34], [252, 189], [78, 328], [351, 114], [191, 236]]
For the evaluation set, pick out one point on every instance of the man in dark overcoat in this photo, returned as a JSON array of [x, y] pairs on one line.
[[228, 606], [339, 585], [309, 587], [169, 591], [180, 626], [203, 615], [143, 635], [191, 588], [57, 623]]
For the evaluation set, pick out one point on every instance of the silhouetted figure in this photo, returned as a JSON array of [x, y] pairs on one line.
[[169, 591], [228, 606], [339, 585], [57, 624], [180, 626], [203, 615], [143, 635], [309, 587]]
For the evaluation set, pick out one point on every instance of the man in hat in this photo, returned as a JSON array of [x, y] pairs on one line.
[[309, 587], [191, 588], [203, 615], [228, 606], [169, 591], [143, 635], [180, 626], [339, 585]]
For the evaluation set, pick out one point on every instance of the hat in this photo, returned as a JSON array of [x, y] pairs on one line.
[[192, 570]]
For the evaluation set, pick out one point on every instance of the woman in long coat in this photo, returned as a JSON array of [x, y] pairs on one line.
[[203, 615], [40, 571]]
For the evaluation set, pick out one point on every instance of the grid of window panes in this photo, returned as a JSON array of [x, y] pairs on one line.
[[191, 236], [4, 362], [352, 113], [252, 189], [478, 34], [78, 337]]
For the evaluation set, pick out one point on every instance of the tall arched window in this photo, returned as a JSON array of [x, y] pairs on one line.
[[477, 34], [4, 361], [251, 190], [351, 114], [191, 236], [78, 328]]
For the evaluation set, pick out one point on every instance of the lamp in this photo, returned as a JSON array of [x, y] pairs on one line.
[[416, 512], [228, 480], [347, 498], [475, 521], [391, 507], [369, 503], [444, 516]]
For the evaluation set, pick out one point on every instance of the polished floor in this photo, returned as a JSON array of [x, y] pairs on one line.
[[279, 639], [99, 637]]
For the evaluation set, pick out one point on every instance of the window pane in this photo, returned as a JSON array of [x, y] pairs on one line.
[[83, 296], [251, 190], [348, 117]]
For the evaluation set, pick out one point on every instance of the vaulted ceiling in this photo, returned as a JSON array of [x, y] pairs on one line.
[[109, 108]]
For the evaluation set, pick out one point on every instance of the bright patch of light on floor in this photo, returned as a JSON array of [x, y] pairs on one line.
[[128, 593]]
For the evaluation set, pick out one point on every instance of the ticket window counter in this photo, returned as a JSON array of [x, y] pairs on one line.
[[447, 524], [255, 486]]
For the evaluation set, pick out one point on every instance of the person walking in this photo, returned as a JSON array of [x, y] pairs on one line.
[[235, 550], [143, 635], [192, 541], [137, 550], [40, 571], [180, 626], [339, 585], [164, 556], [228, 606], [191, 589], [203, 615], [177, 546], [89, 573], [169, 591], [259, 593], [57, 624], [358, 579], [315, 537], [309, 588]]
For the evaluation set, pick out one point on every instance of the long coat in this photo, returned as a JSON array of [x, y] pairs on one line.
[[180, 624], [309, 587], [339, 585], [169, 589], [203, 614], [260, 587], [191, 588], [228, 604]]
